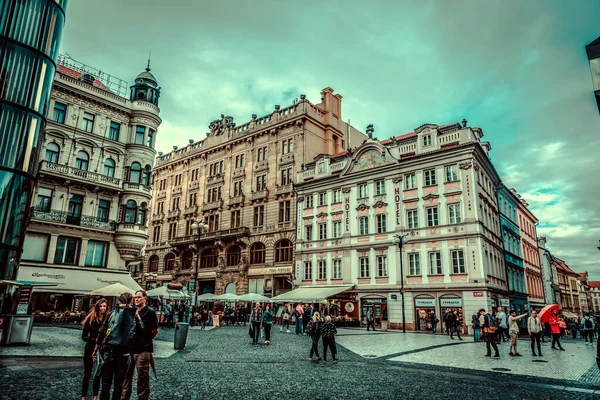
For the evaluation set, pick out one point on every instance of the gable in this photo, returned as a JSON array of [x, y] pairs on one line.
[[368, 159]]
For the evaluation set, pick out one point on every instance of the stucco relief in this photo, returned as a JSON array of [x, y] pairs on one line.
[[367, 160]]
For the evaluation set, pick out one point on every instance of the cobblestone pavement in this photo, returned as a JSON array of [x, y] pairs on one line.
[[222, 364]]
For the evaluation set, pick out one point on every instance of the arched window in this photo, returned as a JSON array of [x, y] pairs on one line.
[[234, 254], [52, 153], [142, 214], [109, 167], [146, 175], [130, 211], [169, 262], [257, 253], [231, 288], [153, 264], [284, 251], [208, 258], [135, 173], [186, 259], [82, 160]]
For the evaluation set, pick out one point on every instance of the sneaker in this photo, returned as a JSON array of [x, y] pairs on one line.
[[318, 359], [335, 361], [518, 355], [288, 331], [511, 354], [561, 349], [310, 359], [281, 329], [541, 355], [496, 355], [533, 354], [488, 355]]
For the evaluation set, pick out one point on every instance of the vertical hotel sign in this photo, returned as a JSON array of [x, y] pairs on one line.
[[397, 201], [347, 213]]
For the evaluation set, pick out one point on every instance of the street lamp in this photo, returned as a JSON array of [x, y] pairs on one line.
[[197, 227], [400, 240], [593, 53]]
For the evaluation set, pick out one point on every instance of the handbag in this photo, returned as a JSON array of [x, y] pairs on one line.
[[251, 331], [98, 365], [490, 329], [262, 332]]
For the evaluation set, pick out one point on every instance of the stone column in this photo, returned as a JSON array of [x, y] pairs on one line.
[[83, 252], [52, 248]]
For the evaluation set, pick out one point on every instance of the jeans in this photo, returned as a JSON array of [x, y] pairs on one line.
[[114, 371], [433, 327], [256, 331], [329, 343], [477, 333], [455, 329], [88, 365], [299, 328], [588, 334], [268, 332], [315, 346], [286, 324], [370, 323], [490, 341], [535, 337], [140, 362]]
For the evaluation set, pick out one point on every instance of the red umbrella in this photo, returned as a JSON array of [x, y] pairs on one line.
[[547, 311]]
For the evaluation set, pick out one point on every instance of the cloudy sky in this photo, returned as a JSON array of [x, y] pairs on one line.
[[517, 69]]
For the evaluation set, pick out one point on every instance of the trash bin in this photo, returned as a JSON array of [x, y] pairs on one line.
[[181, 332], [384, 325]]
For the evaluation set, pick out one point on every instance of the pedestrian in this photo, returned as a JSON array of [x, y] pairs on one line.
[[242, 313], [267, 322], [188, 310], [181, 312], [476, 328], [502, 322], [91, 325], [256, 317], [370, 319], [588, 329], [168, 310], [285, 323], [113, 343], [434, 321], [534, 327], [299, 315], [142, 348], [306, 316], [554, 326], [447, 321], [313, 329], [513, 331], [455, 325], [328, 332], [489, 327]]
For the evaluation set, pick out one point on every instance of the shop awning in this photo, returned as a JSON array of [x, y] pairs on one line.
[[74, 280], [569, 314], [27, 283], [310, 293]]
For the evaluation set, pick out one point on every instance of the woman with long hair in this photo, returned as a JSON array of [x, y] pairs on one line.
[[267, 322], [285, 318], [91, 324], [554, 326], [313, 328]]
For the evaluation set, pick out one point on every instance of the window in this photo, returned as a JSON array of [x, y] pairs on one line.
[[381, 223], [130, 211], [240, 161], [322, 231], [193, 199], [163, 184], [214, 194], [141, 220], [96, 254], [150, 139], [194, 175], [262, 154], [236, 218], [430, 177], [379, 187], [323, 199], [215, 168], [109, 167], [44, 199], [234, 255], [308, 230], [88, 122], [257, 253], [363, 224], [435, 263], [74, 210], [139, 134], [284, 251], [337, 269], [451, 173], [114, 130], [410, 181], [284, 211], [307, 270], [259, 215], [286, 176], [337, 229], [35, 247], [66, 250], [178, 180], [187, 259], [364, 267], [261, 183], [322, 270], [413, 219], [337, 196], [363, 190], [426, 140], [382, 267], [82, 161], [432, 216], [454, 213], [60, 112], [135, 172], [458, 262], [213, 223], [414, 264], [103, 210], [175, 204], [238, 188], [52, 153], [169, 262], [309, 201], [146, 175], [156, 234], [287, 146], [172, 230]]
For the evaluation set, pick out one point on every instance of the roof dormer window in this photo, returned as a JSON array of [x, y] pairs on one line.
[[426, 140]]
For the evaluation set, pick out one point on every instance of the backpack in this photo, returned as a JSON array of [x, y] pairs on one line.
[[121, 324], [588, 323]]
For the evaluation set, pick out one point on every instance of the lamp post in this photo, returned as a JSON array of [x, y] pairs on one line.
[[399, 240], [593, 53], [197, 227]]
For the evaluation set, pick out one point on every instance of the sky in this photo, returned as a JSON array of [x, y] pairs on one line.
[[517, 69]]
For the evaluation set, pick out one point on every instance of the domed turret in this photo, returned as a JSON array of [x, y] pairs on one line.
[[145, 87]]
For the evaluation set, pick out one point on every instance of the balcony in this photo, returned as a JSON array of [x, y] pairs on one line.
[[260, 194], [208, 236], [236, 200], [124, 227], [284, 189], [63, 217], [215, 179], [212, 205], [79, 174], [190, 210], [157, 217], [136, 186], [173, 214]]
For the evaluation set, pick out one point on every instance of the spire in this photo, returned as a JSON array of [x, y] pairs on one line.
[[149, 56]]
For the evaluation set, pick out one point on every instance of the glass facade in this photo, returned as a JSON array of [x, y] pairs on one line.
[[30, 34]]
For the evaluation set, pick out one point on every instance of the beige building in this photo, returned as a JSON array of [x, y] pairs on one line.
[[239, 181], [91, 200], [595, 295]]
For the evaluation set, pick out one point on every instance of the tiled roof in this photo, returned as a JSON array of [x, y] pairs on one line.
[[76, 75], [594, 284], [401, 137]]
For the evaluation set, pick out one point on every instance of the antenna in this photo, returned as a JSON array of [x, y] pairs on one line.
[[149, 56]]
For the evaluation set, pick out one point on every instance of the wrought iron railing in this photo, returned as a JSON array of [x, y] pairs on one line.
[[79, 173], [63, 217]]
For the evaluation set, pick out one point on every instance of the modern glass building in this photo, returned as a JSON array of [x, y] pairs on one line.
[[30, 34]]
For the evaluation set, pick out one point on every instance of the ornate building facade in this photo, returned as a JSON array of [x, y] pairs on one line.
[[435, 185], [239, 182], [91, 201]]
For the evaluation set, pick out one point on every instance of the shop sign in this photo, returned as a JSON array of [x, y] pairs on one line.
[[505, 302], [270, 271], [164, 277], [349, 307], [452, 302], [203, 275], [425, 302], [347, 211], [477, 294], [394, 296], [374, 301], [397, 201]]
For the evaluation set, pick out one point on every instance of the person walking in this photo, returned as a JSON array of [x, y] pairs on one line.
[[513, 331], [489, 327], [455, 325], [476, 328], [447, 321], [142, 348], [370, 319], [328, 333], [502, 332], [306, 316], [285, 323], [434, 321], [256, 317], [91, 325], [534, 327], [313, 329], [169, 311], [267, 322], [242, 313], [298, 314], [588, 329], [555, 328]]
